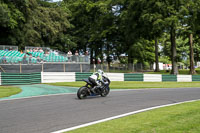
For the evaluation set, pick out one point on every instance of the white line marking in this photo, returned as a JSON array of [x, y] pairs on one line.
[[119, 116]]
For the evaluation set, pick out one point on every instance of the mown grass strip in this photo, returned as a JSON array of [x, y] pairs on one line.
[[184, 71], [135, 84], [182, 118], [6, 91]]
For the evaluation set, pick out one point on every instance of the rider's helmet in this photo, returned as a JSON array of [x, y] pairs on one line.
[[100, 71]]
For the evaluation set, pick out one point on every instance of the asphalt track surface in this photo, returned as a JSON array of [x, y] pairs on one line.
[[51, 113]]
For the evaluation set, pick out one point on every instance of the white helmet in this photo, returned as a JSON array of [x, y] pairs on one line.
[[100, 71]]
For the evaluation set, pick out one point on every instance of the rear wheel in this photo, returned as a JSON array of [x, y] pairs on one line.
[[82, 92]]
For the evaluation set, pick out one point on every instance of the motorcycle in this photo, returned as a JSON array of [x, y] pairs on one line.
[[86, 90]]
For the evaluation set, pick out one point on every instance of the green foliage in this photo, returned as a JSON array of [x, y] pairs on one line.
[[34, 23], [165, 59], [10, 15], [143, 51], [106, 27]]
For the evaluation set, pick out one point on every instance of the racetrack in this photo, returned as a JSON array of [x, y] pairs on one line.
[[52, 113]]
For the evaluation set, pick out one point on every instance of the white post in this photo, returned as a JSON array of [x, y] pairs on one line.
[[42, 77], [64, 67], [0, 78]]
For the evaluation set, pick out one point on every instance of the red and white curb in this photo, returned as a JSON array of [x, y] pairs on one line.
[[119, 116]]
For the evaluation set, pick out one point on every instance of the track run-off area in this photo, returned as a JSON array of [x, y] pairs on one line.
[[44, 114]]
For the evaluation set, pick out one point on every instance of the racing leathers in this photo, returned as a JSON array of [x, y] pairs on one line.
[[96, 80]]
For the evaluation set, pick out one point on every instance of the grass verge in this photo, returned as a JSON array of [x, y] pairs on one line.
[[184, 72], [135, 85], [182, 118], [6, 91]]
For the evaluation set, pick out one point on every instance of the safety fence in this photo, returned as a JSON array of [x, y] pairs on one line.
[[53, 77], [72, 66]]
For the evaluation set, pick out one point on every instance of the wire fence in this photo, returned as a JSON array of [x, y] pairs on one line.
[[8, 47], [73, 67], [125, 68], [45, 67]]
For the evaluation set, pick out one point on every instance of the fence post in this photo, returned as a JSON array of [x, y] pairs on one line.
[[42, 67], [94, 67], [20, 67], [64, 67], [81, 68], [136, 67], [141, 67], [108, 67]]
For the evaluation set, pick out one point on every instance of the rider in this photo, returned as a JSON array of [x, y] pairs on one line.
[[96, 79]]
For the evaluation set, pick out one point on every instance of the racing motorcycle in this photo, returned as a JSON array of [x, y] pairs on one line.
[[86, 90]]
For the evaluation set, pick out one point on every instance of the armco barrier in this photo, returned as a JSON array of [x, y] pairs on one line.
[[152, 77], [53, 77], [133, 77], [195, 77], [80, 76], [184, 78], [116, 76], [168, 78], [111, 76], [19, 78]]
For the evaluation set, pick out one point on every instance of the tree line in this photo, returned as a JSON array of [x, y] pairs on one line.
[[145, 31]]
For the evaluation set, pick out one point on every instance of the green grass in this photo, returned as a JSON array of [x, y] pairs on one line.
[[185, 72], [115, 71], [181, 71], [135, 85], [6, 91], [182, 118]]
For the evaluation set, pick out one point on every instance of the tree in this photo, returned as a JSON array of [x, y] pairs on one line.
[[94, 27], [33, 23], [191, 26], [142, 19], [10, 19]]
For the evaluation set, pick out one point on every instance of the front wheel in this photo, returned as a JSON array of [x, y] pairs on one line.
[[82, 92], [105, 91]]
